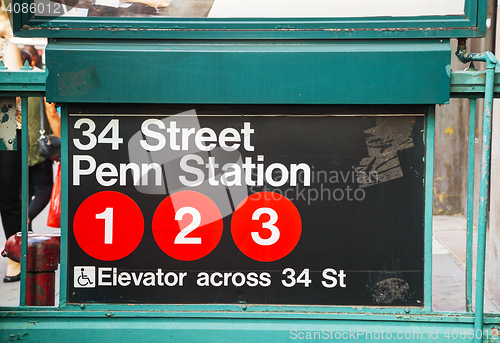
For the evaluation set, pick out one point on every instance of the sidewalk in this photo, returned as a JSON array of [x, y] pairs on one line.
[[448, 258]]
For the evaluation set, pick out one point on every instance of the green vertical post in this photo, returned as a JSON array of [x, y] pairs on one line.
[[470, 204], [483, 195], [64, 208], [491, 63], [429, 180], [24, 199]]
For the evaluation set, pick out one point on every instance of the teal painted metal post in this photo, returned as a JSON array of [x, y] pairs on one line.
[[470, 204], [64, 208], [24, 196], [429, 177], [491, 62]]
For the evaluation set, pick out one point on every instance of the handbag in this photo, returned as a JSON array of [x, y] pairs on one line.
[[54, 217], [48, 145]]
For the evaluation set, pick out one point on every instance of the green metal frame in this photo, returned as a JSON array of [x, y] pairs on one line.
[[399, 313], [23, 83], [472, 24], [250, 311], [249, 323]]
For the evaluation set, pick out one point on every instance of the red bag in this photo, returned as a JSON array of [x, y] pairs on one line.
[[54, 218]]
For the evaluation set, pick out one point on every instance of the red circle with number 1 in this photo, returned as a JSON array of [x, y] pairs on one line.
[[187, 225], [108, 225], [266, 226]]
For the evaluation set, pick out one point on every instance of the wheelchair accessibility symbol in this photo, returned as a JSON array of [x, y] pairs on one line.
[[84, 277]]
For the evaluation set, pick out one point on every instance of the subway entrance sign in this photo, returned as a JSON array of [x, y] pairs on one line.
[[291, 205]]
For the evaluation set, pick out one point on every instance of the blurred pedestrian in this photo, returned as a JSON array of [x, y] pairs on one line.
[[10, 177], [36, 61], [40, 169]]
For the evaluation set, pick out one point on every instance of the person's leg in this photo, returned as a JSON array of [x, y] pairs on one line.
[[13, 273], [10, 190], [41, 177], [10, 201]]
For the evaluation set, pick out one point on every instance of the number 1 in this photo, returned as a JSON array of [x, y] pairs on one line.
[[107, 215]]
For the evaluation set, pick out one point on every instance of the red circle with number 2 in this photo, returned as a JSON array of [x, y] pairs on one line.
[[108, 225], [187, 225], [266, 226]]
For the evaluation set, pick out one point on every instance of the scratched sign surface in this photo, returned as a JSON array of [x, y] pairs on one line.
[[230, 204]]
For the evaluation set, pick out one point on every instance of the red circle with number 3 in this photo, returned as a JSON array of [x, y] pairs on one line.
[[266, 226], [108, 225], [187, 225]]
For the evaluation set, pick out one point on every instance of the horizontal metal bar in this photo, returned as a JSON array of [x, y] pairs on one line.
[[142, 312], [110, 328], [242, 310], [471, 82], [282, 34], [256, 28], [21, 81]]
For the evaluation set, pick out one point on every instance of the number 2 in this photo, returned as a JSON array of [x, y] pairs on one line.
[[181, 236]]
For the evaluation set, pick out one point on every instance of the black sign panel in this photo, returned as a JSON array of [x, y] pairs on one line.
[[262, 205]]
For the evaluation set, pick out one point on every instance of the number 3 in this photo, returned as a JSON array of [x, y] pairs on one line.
[[275, 232]]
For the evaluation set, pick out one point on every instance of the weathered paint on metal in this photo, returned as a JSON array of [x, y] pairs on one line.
[[491, 63], [429, 176], [8, 123], [43, 251], [42, 262], [21, 81], [119, 30], [247, 312], [112, 327], [41, 289], [470, 204], [469, 83]]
